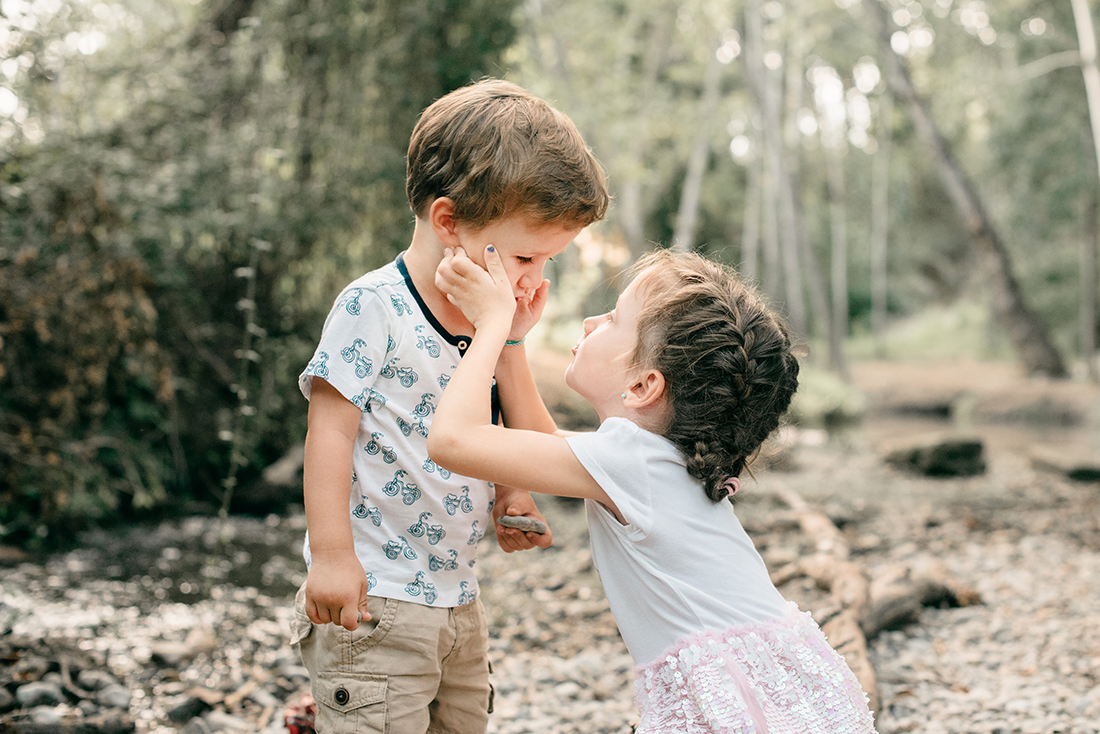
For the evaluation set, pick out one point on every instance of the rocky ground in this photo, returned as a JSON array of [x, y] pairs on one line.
[[183, 626]]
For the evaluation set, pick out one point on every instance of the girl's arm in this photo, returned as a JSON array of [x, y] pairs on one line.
[[521, 407], [520, 402], [463, 438]]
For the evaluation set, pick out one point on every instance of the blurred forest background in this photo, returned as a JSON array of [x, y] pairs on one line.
[[186, 184]]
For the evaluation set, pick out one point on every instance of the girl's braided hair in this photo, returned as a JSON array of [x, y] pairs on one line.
[[727, 362]]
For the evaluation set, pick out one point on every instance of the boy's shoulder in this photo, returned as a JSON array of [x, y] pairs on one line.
[[388, 285], [387, 276]]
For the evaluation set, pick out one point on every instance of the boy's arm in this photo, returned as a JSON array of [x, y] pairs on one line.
[[336, 585]]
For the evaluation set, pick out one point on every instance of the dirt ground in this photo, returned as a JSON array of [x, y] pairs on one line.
[[1026, 540], [1025, 659]]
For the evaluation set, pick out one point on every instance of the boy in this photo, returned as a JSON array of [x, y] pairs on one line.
[[388, 622]]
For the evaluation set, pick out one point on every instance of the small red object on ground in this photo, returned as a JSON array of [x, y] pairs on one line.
[[301, 715]]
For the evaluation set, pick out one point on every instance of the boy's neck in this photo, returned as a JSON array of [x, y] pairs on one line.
[[421, 260]]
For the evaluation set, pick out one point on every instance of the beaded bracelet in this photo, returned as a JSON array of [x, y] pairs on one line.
[[514, 343]]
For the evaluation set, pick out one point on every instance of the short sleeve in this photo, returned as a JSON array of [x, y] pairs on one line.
[[615, 456], [353, 347]]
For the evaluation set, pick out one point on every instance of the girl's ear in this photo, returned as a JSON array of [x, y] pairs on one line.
[[647, 391], [441, 216]]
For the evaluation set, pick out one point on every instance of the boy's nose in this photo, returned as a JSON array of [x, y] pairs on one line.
[[530, 279]]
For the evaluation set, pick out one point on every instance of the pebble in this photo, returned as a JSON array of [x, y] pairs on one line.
[[217, 662], [114, 696], [39, 693]]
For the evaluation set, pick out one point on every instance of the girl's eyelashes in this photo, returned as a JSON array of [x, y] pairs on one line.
[[524, 260]]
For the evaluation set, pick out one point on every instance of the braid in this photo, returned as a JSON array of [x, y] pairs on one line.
[[726, 360]]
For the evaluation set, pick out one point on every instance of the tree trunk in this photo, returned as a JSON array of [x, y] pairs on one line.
[[1088, 291], [687, 217], [631, 208], [1028, 334], [1086, 41], [767, 93], [773, 275], [750, 227], [880, 217], [838, 214]]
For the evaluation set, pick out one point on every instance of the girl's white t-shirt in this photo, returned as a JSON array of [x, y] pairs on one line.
[[681, 564]]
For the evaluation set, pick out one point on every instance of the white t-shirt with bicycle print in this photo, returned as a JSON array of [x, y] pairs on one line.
[[415, 524]]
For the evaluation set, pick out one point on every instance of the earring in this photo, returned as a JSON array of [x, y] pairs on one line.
[[623, 396]]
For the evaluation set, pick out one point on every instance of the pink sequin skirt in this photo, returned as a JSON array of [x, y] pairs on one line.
[[777, 678]]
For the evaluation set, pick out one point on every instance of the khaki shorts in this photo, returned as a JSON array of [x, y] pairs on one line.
[[410, 669]]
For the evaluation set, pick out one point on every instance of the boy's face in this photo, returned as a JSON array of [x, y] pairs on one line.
[[524, 248]]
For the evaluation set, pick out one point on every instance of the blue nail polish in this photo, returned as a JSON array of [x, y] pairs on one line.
[[492, 249]]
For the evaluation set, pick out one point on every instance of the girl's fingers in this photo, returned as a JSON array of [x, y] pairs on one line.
[[494, 265]]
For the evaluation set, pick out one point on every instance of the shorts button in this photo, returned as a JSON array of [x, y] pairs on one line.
[[341, 696]]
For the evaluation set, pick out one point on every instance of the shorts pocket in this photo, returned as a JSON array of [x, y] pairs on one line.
[[370, 632], [300, 626], [350, 702]]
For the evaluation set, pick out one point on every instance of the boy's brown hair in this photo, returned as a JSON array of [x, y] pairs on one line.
[[497, 150]]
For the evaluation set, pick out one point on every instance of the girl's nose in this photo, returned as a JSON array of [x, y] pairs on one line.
[[589, 325]]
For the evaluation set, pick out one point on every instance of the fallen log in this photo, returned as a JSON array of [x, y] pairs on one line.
[[845, 581], [899, 593]]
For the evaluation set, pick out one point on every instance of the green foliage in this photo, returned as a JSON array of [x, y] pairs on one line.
[[167, 162], [185, 185], [959, 330], [824, 400], [85, 387]]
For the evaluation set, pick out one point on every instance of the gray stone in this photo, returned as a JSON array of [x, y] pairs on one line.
[[196, 726], [39, 693], [95, 680], [188, 710], [45, 715], [220, 721], [265, 699], [522, 522], [114, 696]]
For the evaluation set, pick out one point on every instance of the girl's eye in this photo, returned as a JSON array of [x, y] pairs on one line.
[[524, 260]]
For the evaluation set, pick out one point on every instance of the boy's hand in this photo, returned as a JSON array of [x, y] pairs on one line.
[[517, 502], [529, 311], [484, 294], [336, 589]]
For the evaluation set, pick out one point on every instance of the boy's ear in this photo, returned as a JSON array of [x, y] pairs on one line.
[[647, 391], [441, 216]]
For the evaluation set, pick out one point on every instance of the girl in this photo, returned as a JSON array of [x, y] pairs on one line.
[[689, 374]]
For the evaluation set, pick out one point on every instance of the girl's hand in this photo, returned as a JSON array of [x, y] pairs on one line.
[[483, 294]]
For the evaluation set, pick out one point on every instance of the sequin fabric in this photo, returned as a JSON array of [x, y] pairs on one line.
[[777, 678]]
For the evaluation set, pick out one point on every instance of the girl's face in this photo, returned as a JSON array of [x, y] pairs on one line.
[[601, 368], [524, 248]]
